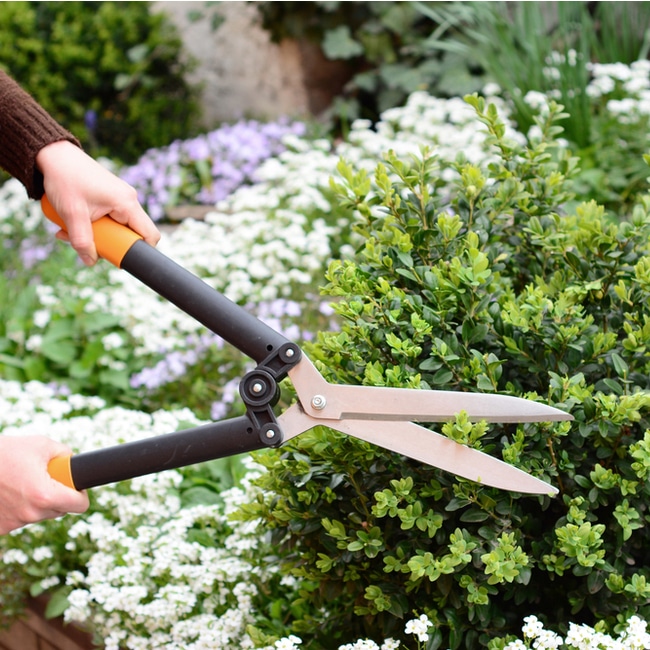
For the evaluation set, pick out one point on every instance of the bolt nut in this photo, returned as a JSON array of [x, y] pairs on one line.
[[318, 402]]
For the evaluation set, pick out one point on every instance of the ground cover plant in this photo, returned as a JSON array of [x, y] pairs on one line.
[[513, 285]]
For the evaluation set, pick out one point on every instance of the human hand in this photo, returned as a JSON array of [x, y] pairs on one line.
[[27, 492], [82, 191]]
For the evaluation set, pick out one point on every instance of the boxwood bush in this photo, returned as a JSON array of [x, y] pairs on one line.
[[497, 282]]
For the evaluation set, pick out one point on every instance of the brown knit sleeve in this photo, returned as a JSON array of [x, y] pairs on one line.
[[25, 128]]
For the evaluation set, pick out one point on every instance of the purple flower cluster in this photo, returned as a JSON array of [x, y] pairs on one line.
[[208, 168], [175, 364], [32, 252]]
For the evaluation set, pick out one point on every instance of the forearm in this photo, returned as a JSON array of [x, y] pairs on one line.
[[25, 128]]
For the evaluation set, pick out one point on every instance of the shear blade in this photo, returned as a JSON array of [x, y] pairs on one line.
[[327, 401], [426, 446]]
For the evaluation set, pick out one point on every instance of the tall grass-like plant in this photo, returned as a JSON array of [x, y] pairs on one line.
[[533, 46]]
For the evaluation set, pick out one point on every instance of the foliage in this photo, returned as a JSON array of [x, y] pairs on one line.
[[487, 285], [519, 56], [110, 72], [448, 48], [382, 43], [47, 332], [563, 62]]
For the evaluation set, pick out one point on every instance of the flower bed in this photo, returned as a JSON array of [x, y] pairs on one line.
[[158, 561]]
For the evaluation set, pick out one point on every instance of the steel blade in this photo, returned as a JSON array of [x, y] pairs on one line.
[[425, 446], [326, 401]]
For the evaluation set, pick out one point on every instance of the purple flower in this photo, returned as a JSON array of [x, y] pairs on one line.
[[90, 120], [31, 253], [208, 168]]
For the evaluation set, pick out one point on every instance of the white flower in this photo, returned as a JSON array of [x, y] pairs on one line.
[[419, 627], [41, 318], [42, 553], [536, 100], [492, 89], [516, 645], [34, 343], [390, 644], [547, 640], [361, 644], [288, 643], [48, 583], [112, 341], [15, 556]]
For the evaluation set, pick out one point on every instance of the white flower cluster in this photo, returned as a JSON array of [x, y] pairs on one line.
[[417, 626], [147, 583], [147, 586], [581, 637], [632, 80], [15, 204], [34, 408]]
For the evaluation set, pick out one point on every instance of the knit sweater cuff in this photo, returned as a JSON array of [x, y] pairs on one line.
[[25, 128]]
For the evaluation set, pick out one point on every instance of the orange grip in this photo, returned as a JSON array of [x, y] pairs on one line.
[[59, 469], [112, 239]]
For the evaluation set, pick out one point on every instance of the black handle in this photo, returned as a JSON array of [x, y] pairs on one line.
[[169, 451], [202, 302]]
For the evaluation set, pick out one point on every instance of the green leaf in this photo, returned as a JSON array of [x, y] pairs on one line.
[[483, 383], [621, 367], [96, 321], [199, 496], [58, 603], [339, 44], [62, 352], [443, 376], [138, 53], [474, 516]]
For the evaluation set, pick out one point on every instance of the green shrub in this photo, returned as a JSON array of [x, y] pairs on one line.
[[111, 72], [491, 284]]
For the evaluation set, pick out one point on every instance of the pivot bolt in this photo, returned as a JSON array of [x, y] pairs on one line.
[[270, 434], [257, 387], [318, 402]]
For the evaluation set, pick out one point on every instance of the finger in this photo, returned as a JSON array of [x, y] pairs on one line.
[[134, 216], [68, 500], [79, 233], [62, 498], [80, 236]]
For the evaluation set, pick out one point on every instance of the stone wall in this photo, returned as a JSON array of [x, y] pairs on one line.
[[242, 72]]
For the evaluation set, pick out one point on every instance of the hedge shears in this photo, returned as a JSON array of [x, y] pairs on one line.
[[382, 416]]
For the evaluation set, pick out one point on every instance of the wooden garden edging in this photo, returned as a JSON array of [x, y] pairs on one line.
[[35, 632]]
